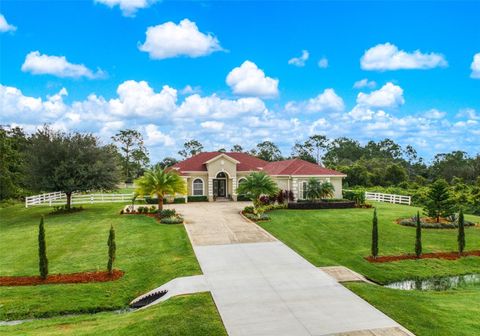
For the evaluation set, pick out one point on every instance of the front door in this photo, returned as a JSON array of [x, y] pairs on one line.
[[220, 188]]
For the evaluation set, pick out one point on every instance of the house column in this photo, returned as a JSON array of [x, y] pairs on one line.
[[295, 188], [210, 189], [234, 188], [186, 183]]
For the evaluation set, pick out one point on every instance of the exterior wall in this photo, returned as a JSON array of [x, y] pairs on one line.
[[338, 185], [222, 164], [336, 181]]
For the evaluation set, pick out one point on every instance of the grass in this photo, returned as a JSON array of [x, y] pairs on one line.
[[185, 315], [343, 237], [149, 253]]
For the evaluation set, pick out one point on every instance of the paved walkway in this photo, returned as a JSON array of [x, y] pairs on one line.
[[262, 287]]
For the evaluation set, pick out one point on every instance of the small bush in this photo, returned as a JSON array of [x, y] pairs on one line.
[[257, 218], [62, 209], [172, 220], [153, 209], [248, 209], [165, 213], [179, 200], [197, 199], [358, 196], [243, 198]]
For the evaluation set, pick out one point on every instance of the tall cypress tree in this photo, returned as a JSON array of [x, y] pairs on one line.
[[112, 249], [461, 232], [42, 251], [375, 234], [418, 237]]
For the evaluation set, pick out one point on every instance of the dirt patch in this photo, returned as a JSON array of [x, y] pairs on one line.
[[84, 277], [437, 255]]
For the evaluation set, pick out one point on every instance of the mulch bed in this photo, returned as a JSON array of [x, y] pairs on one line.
[[84, 277], [437, 255]]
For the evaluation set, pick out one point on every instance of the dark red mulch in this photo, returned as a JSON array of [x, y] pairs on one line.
[[84, 277], [437, 255]]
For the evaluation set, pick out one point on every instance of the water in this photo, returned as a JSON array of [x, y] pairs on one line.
[[437, 283]]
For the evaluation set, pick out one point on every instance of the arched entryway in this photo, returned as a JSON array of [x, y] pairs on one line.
[[220, 185]]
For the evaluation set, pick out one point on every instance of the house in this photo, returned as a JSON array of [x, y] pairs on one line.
[[217, 174]]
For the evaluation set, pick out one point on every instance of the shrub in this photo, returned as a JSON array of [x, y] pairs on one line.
[[152, 209], [461, 232], [197, 198], [358, 196], [248, 209], [257, 218], [418, 236], [112, 249], [165, 213], [242, 198], [172, 220], [179, 200], [42, 251], [281, 196], [375, 234], [265, 200]]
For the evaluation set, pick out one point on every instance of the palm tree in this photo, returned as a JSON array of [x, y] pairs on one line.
[[314, 189], [257, 184], [160, 182], [327, 190]]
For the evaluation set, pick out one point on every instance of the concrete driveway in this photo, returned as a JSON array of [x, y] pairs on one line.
[[262, 287], [219, 223]]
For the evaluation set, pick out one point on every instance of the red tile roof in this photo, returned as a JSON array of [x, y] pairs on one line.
[[252, 163], [197, 162]]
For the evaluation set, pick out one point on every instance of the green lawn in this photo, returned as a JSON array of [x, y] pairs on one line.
[[149, 253], [185, 315], [343, 237]]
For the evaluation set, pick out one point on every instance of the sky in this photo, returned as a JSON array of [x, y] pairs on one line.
[[233, 72]]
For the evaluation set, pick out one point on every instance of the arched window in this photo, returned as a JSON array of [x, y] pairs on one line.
[[198, 187], [221, 175], [242, 180]]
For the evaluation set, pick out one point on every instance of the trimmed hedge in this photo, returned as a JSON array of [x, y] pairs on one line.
[[321, 205], [151, 200], [197, 199]]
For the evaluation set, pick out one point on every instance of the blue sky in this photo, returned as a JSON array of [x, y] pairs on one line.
[[224, 72]]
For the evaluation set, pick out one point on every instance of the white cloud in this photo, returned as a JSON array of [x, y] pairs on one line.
[[128, 7], [188, 89], [434, 114], [388, 96], [387, 56], [213, 125], [139, 99], [196, 106], [249, 80], [169, 40], [154, 136], [5, 26], [323, 63], [39, 64], [300, 61], [468, 113], [364, 83], [327, 101], [475, 66]]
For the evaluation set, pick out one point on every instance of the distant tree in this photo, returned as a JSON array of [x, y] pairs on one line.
[[42, 251], [439, 202], [454, 164], [268, 151], [418, 236], [112, 249], [319, 144], [237, 148], [167, 162], [12, 162], [191, 148], [357, 174], [375, 234], [395, 174], [342, 151], [303, 151], [257, 184], [222, 150], [70, 163], [133, 152], [160, 182], [461, 232]]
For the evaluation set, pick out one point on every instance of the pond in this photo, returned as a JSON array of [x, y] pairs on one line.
[[437, 283]]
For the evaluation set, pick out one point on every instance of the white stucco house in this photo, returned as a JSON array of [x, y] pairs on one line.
[[216, 175]]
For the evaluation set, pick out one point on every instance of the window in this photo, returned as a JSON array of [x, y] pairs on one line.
[[197, 187], [221, 175], [242, 180], [304, 190]]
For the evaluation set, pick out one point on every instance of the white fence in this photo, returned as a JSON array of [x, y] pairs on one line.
[[59, 198], [390, 198]]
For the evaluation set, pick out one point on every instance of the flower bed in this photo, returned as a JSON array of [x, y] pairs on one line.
[[436, 255], [165, 216], [430, 223], [84, 277], [344, 204]]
